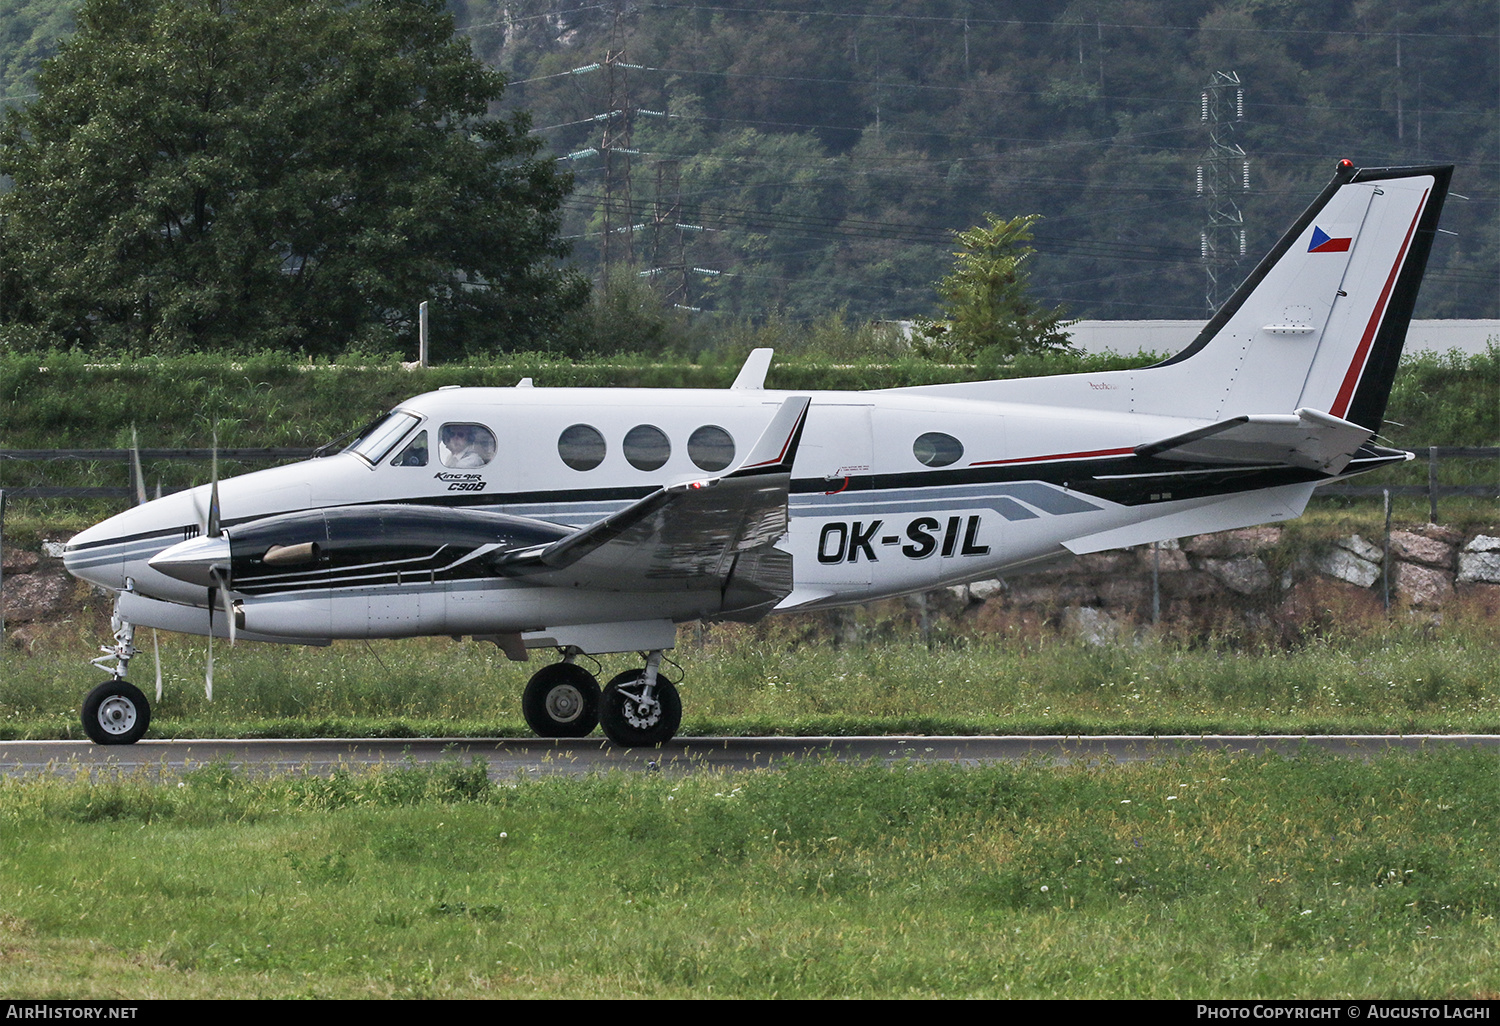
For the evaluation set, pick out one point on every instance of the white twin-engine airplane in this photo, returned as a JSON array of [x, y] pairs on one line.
[[595, 521]]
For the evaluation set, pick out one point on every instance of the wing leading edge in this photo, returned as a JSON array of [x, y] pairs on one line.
[[711, 534]]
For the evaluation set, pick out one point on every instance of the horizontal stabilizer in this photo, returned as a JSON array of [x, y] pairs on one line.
[[1309, 439]]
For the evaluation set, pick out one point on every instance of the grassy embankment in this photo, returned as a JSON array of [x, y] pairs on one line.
[[788, 676]]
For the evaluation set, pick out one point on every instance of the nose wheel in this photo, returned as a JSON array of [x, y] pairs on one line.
[[561, 700], [116, 713]]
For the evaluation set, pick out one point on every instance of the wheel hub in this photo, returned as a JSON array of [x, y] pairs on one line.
[[117, 715], [641, 713], [565, 703]]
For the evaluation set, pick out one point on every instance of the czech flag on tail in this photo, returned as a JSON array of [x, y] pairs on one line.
[[1323, 243]]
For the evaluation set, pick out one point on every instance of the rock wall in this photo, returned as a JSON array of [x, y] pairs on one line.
[[1248, 578], [1237, 579], [39, 593]]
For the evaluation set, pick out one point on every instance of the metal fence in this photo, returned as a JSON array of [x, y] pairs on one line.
[[1433, 488], [125, 456]]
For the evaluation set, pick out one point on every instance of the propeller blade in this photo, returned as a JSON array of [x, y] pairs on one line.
[[213, 495], [137, 479], [156, 650], [208, 679], [221, 585]]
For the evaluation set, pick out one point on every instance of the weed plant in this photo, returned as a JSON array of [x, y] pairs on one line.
[[1202, 877]]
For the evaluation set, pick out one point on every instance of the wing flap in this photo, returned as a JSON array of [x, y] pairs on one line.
[[1309, 439]]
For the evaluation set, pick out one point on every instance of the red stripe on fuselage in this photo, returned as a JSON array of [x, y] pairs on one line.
[[1357, 365], [1057, 456]]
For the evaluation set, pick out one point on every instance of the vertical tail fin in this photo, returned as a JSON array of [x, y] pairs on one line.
[[1320, 322]]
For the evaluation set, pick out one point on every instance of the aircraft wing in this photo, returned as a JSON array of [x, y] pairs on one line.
[[715, 533], [1309, 439]]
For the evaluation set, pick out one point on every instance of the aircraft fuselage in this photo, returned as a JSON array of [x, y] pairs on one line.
[[1011, 484]]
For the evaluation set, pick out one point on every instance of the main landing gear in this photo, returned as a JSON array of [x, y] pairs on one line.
[[637, 709], [561, 700]]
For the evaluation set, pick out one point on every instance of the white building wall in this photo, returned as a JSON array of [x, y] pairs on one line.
[[1168, 337]]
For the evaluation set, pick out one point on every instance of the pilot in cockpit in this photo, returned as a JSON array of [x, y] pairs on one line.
[[466, 446]]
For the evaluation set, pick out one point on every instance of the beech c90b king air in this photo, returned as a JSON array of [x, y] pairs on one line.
[[595, 521]]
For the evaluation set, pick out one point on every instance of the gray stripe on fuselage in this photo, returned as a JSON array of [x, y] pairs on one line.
[[568, 514], [1000, 498], [104, 555]]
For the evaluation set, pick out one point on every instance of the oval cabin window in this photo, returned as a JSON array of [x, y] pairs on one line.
[[647, 447], [711, 448], [581, 447], [935, 449]]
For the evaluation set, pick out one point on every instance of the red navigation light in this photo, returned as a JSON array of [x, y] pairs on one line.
[[1346, 162]]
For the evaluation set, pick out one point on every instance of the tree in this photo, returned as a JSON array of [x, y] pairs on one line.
[[277, 173], [985, 298]]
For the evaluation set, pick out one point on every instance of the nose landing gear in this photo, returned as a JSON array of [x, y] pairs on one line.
[[116, 712]]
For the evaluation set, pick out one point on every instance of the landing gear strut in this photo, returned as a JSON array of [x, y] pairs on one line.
[[115, 712], [639, 708]]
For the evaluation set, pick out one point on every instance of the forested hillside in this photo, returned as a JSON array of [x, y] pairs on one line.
[[775, 158], [827, 150]]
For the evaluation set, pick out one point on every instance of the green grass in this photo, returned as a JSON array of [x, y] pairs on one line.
[[1202, 877], [789, 676]]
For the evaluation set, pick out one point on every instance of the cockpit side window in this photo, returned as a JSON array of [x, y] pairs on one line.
[[465, 446], [415, 453], [379, 439]]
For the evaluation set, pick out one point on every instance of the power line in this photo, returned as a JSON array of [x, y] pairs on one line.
[[1011, 22], [1156, 101]]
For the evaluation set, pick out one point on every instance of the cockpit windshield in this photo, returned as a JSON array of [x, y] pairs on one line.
[[380, 437]]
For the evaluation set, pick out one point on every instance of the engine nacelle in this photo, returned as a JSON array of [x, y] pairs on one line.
[[374, 571]]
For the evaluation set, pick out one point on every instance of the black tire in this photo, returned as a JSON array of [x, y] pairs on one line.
[[561, 700], [627, 724], [116, 713]]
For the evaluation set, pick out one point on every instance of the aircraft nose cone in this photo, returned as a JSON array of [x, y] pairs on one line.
[[193, 560], [103, 568]]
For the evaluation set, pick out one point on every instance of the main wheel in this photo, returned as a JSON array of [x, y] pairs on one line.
[[116, 713], [628, 720], [561, 700]]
